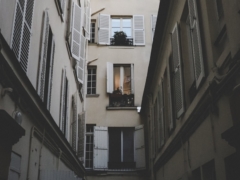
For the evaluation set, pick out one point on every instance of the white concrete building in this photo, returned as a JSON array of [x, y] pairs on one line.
[[43, 47]]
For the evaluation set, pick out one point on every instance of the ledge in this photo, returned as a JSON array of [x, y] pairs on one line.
[[92, 95], [121, 108]]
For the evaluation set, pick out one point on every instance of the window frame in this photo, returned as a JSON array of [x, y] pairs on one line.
[[91, 80], [89, 134], [121, 18]]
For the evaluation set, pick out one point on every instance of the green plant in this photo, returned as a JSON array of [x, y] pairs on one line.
[[120, 38]]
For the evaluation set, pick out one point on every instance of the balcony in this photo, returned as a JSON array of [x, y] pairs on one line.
[[121, 42], [121, 100]]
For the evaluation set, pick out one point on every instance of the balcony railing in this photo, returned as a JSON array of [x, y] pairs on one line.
[[122, 42], [121, 100]]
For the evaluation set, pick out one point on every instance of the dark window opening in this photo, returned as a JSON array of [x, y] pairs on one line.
[[121, 148], [92, 80], [89, 146]]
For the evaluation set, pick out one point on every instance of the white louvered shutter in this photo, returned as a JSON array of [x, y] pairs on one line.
[[75, 123], [139, 145], [100, 150], [161, 116], [62, 6], [169, 95], [138, 30], [132, 78], [104, 29], [153, 20], [22, 31], [109, 77], [15, 167], [87, 19], [67, 111], [76, 31], [178, 79], [62, 102], [196, 42], [43, 57], [51, 74], [81, 135]]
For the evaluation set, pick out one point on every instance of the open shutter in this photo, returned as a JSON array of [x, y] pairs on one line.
[[109, 77], [132, 78], [104, 29], [76, 32], [67, 110], [139, 147], [15, 167], [154, 20], [87, 19], [169, 95], [161, 116], [138, 30], [196, 42], [81, 135], [43, 57], [51, 74], [62, 104], [22, 31], [100, 159], [75, 123], [178, 79]]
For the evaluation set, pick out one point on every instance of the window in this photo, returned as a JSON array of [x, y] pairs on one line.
[[46, 63], [64, 106], [118, 148], [132, 26], [121, 148], [92, 32], [89, 146], [15, 167], [120, 84], [21, 35], [91, 81], [205, 172], [122, 24]]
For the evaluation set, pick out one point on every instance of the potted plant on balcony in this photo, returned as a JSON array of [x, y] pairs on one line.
[[120, 38]]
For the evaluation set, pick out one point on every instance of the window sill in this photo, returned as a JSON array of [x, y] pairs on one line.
[[121, 47], [92, 95], [121, 108]]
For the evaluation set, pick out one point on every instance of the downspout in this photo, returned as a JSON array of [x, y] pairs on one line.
[[29, 151], [40, 154]]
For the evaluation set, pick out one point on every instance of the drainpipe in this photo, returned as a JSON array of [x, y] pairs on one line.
[[29, 152]]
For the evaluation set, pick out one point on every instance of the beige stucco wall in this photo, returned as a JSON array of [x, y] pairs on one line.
[[137, 55]]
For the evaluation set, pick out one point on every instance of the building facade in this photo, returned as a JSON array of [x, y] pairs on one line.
[[43, 47], [191, 96], [118, 56]]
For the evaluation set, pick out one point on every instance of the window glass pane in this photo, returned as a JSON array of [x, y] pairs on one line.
[[89, 77], [94, 77], [128, 31], [93, 84], [126, 23], [116, 23], [93, 91], [94, 71]]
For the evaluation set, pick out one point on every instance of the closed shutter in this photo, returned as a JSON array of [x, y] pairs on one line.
[[75, 123], [62, 104], [51, 74], [138, 30], [161, 116], [81, 135], [196, 42], [154, 20], [76, 32], [22, 31], [104, 29], [139, 146], [132, 78], [43, 58], [178, 79], [15, 167], [169, 95], [109, 77], [100, 150]]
